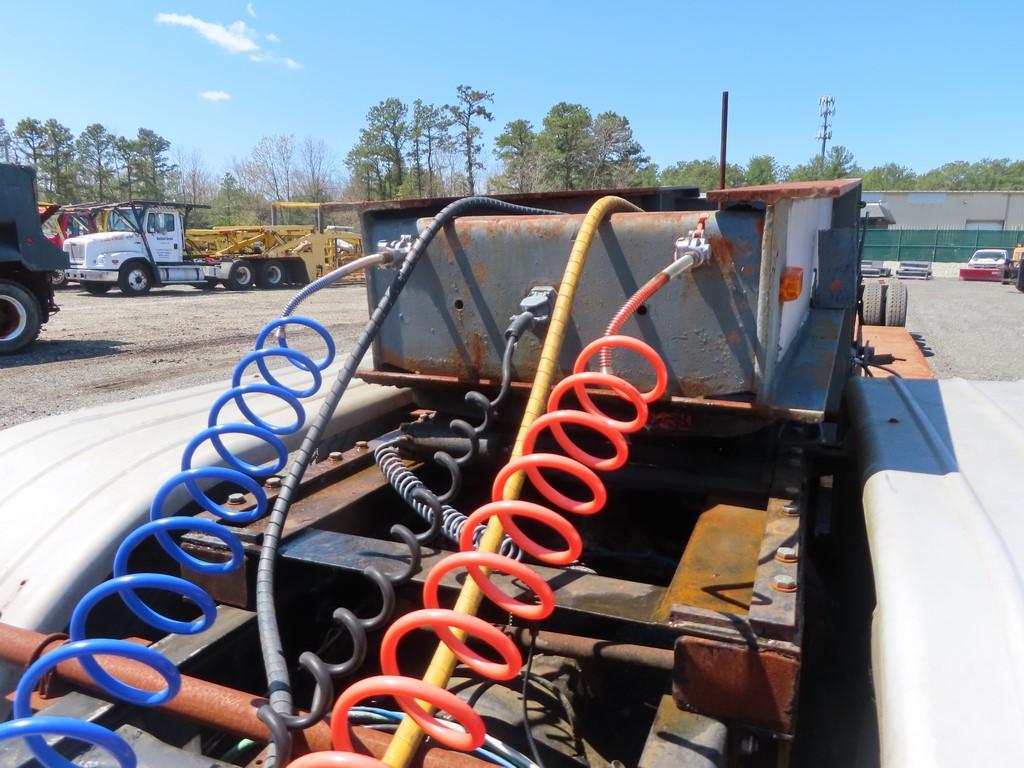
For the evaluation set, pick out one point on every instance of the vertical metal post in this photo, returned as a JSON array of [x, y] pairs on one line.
[[725, 132]]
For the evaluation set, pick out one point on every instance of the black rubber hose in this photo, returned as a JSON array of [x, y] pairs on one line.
[[278, 679]]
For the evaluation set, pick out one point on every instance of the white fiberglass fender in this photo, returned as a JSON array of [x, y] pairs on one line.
[[75, 484], [941, 463]]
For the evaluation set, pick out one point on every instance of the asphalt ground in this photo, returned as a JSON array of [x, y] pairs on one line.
[[969, 330], [109, 348]]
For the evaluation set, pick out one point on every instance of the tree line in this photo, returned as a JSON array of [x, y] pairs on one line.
[[422, 150], [95, 165]]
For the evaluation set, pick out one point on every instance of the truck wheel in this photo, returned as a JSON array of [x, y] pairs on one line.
[[241, 276], [58, 278], [896, 305], [20, 317], [135, 279], [97, 289], [270, 274], [874, 303], [1020, 279]]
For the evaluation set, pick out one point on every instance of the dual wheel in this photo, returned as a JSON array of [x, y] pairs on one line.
[[244, 274], [885, 304]]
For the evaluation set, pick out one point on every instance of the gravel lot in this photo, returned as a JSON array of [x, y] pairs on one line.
[[101, 349], [108, 348], [968, 330]]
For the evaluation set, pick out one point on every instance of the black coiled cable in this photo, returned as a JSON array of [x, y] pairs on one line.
[[281, 705]]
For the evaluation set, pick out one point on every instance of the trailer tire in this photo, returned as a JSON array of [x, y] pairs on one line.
[[241, 276], [97, 289], [896, 305], [20, 317], [135, 278], [271, 274], [873, 303]]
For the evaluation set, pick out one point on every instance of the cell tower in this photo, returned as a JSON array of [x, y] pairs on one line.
[[826, 108]]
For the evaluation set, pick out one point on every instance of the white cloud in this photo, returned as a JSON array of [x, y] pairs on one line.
[[236, 37], [215, 95], [250, 10]]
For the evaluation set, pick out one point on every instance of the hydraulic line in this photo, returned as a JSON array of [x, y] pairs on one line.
[[409, 735], [408, 692], [275, 663]]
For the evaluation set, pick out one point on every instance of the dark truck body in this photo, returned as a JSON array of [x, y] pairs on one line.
[[26, 259]]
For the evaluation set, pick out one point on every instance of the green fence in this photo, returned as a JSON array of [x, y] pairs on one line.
[[934, 244]]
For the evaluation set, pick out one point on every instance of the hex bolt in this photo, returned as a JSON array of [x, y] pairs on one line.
[[786, 554], [236, 498], [782, 582], [273, 482], [748, 745], [362, 445], [791, 510], [335, 455]]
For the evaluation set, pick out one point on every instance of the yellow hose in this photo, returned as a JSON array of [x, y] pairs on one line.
[[409, 735]]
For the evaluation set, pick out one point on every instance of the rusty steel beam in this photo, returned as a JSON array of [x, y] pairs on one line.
[[754, 682], [576, 647], [207, 704]]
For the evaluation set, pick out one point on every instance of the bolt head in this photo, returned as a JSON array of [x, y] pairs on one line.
[[273, 482], [335, 455], [791, 510], [786, 554], [362, 445], [236, 498], [783, 582]]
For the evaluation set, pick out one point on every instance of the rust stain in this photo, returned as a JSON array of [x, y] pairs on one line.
[[759, 228], [722, 251], [836, 285], [480, 271], [692, 386], [477, 348], [719, 565]]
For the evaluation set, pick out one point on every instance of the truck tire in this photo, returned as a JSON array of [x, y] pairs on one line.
[[241, 276], [135, 279], [97, 289], [1020, 278], [896, 305], [58, 278], [874, 303], [20, 317], [271, 274]]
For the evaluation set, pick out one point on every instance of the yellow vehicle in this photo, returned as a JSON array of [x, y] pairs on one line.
[[275, 255]]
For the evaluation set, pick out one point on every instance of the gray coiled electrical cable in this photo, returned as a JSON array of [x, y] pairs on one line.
[[405, 483], [274, 661]]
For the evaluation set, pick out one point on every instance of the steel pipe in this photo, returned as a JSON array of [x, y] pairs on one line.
[[208, 704]]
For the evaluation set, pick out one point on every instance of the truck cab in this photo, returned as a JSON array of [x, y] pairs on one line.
[[142, 244]]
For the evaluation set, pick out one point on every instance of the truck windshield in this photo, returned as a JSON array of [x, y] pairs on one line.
[[121, 221]]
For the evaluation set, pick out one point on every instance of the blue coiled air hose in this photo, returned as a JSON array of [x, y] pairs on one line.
[[238, 473]]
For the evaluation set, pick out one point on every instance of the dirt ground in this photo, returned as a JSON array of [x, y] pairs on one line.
[[109, 348], [102, 349]]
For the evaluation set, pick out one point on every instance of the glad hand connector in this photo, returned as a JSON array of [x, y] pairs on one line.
[[691, 251]]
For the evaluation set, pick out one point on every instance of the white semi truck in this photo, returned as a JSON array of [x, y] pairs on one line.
[[142, 244]]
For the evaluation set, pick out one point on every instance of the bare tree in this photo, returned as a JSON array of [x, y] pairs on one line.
[[193, 181], [269, 169], [316, 171]]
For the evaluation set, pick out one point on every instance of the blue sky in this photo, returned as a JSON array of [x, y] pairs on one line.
[[919, 83]]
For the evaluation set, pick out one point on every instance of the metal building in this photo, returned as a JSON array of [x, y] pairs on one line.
[[953, 210]]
